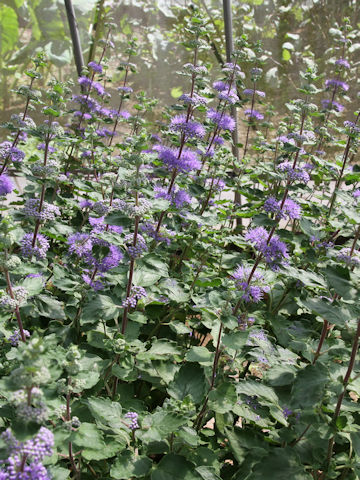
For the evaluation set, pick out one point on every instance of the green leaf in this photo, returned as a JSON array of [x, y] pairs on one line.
[[90, 439], [106, 412], [338, 278], [253, 388], [190, 380], [176, 92], [235, 340], [34, 285], [223, 398], [9, 29], [284, 462], [99, 308], [49, 307], [58, 473], [207, 473], [118, 219], [286, 55], [91, 366], [129, 466], [327, 310], [312, 380], [149, 270], [159, 425], [174, 467], [236, 445], [200, 355], [173, 290], [160, 349]]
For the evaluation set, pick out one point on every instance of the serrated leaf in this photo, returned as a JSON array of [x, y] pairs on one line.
[[200, 355], [312, 380], [223, 398], [130, 466], [190, 380], [106, 412], [174, 467]]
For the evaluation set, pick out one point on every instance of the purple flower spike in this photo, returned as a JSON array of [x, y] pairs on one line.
[[6, 185], [223, 121], [253, 114], [337, 83], [95, 67]]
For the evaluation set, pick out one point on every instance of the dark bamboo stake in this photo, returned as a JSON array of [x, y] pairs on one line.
[[75, 37], [229, 51]]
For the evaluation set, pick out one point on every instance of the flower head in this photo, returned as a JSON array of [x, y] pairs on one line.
[[6, 185], [253, 114], [189, 128], [96, 67], [337, 83], [39, 249], [185, 161], [253, 291], [223, 121], [274, 250]]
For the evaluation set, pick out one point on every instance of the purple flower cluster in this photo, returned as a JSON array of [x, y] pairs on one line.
[[180, 123], [178, 198], [274, 251], [133, 416], [15, 337], [290, 208], [125, 89], [317, 244], [223, 121], [7, 150], [48, 211], [297, 174], [82, 244], [163, 235], [184, 162], [250, 92], [337, 83], [217, 184], [245, 322], [91, 85], [94, 284], [6, 185], [351, 126], [96, 67], [135, 251], [111, 260], [194, 100], [253, 292], [42, 146], [86, 204], [253, 114], [136, 294], [342, 62], [35, 411], [99, 226], [332, 105], [38, 250], [343, 255], [226, 92], [28, 454]]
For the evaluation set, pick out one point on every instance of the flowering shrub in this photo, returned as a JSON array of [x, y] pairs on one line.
[[152, 327]]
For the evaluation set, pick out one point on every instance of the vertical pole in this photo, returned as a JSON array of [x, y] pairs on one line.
[[229, 51], [75, 37]]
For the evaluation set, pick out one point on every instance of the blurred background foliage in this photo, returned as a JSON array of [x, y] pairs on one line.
[[291, 31]]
